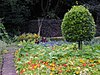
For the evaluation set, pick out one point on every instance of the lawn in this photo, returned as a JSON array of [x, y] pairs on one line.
[[65, 59]]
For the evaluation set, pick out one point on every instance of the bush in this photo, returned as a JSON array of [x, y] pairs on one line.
[[28, 36], [3, 34], [78, 25]]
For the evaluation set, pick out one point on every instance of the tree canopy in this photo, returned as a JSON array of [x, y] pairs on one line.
[[18, 13]]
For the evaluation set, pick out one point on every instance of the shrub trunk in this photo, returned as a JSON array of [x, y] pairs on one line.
[[80, 45]]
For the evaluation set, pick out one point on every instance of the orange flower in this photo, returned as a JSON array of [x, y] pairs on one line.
[[84, 64], [26, 54], [60, 67], [41, 61], [30, 62], [29, 68], [53, 64], [16, 51], [18, 59], [34, 66], [91, 65], [48, 67], [65, 65], [45, 63], [60, 71], [38, 65], [22, 71], [68, 70]]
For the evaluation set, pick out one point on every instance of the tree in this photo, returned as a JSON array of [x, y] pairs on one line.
[[47, 12], [94, 8], [18, 13], [78, 25]]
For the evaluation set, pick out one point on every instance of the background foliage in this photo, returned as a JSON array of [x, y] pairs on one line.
[[3, 35], [16, 14]]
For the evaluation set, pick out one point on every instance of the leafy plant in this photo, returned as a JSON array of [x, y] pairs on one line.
[[3, 34], [78, 25], [28, 36], [56, 60]]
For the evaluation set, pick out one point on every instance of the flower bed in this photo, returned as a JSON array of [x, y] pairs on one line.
[[66, 59]]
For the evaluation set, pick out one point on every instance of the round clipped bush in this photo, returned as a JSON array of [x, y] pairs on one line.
[[78, 25]]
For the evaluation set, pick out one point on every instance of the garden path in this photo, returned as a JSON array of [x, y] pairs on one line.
[[8, 67]]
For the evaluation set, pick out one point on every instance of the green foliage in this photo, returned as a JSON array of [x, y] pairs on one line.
[[2, 45], [78, 24], [28, 36], [60, 60], [3, 35]]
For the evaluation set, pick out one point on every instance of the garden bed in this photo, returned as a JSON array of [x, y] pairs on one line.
[[57, 60]]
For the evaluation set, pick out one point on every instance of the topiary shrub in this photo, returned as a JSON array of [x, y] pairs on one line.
[[78, 25]]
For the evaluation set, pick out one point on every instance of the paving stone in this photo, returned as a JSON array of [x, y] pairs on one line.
[[8, 63]]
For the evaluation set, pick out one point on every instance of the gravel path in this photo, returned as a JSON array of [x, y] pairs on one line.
[[8, 67]]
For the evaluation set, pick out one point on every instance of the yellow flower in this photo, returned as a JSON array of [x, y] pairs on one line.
[[51, 74], [52, 68], [35, 66], [52, 64], [91, 61], [77, 72], [36, 36], [99, 61], [82, 61]]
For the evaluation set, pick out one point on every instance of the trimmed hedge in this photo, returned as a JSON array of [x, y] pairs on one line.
[[78, 24]]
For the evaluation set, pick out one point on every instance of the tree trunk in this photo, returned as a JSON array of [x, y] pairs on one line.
[[40, 25], [80, 45]]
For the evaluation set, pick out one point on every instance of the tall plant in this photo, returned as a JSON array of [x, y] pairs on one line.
[[78, 25]]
